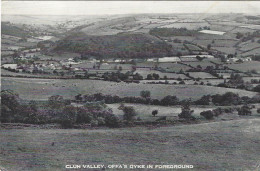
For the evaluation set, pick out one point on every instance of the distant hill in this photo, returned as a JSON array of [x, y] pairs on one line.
[[123, 45], [13, 30]]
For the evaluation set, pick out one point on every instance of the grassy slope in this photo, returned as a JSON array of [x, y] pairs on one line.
[[229, 145], [13, 30], [41, 89]]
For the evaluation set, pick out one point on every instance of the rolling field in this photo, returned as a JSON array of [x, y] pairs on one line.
[[202, 75], [42, 89], [246, 66], [226, 145], [144, 112], [144, 73]]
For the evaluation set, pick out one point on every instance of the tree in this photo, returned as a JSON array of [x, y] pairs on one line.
[[78, 97], [68, 117], [169, 100], [9, 105], [56, 101], [185, 110], [208, 114], [244, 110], [257, 88], [209, 46], [149, 77], [145, 94], [239, 35], [129, 113], [156, 76], [204, 100], [154, 112]]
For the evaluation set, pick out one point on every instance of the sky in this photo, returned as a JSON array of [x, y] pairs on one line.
[[126, 7]]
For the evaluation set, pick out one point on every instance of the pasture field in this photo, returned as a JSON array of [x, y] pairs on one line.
[[193, 47], [42, 89], [224, 145], [145, 72], [246, 66], [203, 64], [242, 30], [252, 52], [202, 75], [250, 78], [205, 81], [182, 38], [216, 43], [173, 67], [248, 45], [228, 50], [144, 112], [189, 25], [221, 28]]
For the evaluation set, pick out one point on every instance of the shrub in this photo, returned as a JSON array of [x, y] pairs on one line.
[[258, 110], [208, 114]]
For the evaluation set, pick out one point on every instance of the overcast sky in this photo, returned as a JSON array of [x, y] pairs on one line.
[[126, 7]]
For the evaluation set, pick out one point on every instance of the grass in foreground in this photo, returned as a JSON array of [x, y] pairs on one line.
[[229, 145]]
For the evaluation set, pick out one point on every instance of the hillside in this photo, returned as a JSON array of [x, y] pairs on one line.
[[123, 45], [227, 145], [12, 30]]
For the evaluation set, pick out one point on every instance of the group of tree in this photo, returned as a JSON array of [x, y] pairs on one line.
[[153, 76], [57, 110], [124, 45], [225, 99]]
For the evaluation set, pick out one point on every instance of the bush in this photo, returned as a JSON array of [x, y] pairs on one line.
[[208, 114], [258, 110]]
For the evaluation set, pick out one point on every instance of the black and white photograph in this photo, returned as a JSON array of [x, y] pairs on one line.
[[130, 85]]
